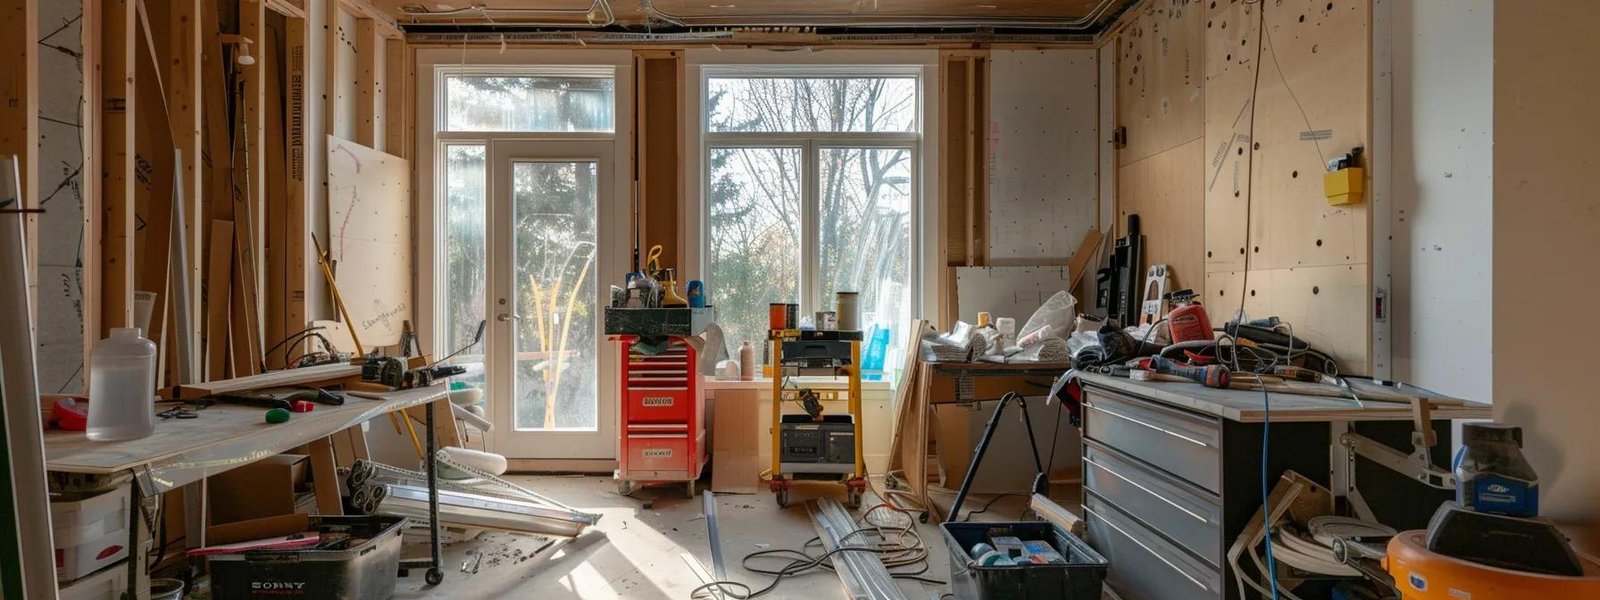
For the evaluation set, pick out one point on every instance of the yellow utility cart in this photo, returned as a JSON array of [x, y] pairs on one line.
[[812, 445]]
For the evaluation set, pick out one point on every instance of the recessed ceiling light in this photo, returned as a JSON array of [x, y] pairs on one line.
[[988, 6], [722, 6]]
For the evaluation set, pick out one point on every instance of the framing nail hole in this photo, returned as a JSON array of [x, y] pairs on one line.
[[1319, 243], [1315, 290], [1252, 293], [1294, 174]]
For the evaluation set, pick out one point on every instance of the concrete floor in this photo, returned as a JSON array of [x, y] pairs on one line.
[[636, 553]]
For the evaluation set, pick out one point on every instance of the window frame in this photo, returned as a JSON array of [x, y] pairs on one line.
[[811, 144]]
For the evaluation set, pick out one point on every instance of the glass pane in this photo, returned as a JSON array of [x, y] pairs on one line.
[[866, 204], [522, 103], [754, 200], [464, 259], [869, 104], [554, 232]]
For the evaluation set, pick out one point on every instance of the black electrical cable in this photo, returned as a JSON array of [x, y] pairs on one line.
[[990, 503]]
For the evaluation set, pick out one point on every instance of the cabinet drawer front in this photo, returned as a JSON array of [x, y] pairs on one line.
[[1177, 442], [658, 406], [1188, 517], [1144, 565]]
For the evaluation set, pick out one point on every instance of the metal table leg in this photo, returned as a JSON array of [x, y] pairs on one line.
[[435, 572]]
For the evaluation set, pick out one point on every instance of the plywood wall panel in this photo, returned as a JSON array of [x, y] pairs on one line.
[[1160, 78], [1230, 54], [1165, 191], [1314, 106], [1325, 305]]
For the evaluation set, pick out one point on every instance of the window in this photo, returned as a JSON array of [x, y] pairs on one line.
[[811, 188], [579, 101]]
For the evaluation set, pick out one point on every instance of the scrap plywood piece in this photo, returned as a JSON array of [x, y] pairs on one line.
[[217, 283], [1166, 191], [369, 232], [272, 379], [963, 195], [1041, 152], [1007, 291], [1160, 78]]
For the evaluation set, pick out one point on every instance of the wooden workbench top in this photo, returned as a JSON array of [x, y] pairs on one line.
[[222, 437], [1247, 406]]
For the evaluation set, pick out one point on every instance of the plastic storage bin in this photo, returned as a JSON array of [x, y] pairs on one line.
[[89, 533], [1080, 579], [366, 570], [105, 585]]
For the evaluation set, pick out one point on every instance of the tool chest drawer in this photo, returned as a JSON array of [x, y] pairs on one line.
[[653, 405], [665, 453], [1145, 566], [1175, 441], [1188, 516]]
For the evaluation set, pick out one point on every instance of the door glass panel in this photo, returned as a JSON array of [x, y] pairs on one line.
[[754, 200], [554, 232], [465, 265], [866, 203], [806, 104]]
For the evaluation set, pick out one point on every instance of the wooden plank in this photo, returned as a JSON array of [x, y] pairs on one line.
[[154, 185], [249, 176], [658, 77], [218, 281], [369, 227], [19, 112], [290, 9], [270, 379], [364, 9], [116, 142], [396, 117], [275, 294], [904, 396], [182, 83], [446, 433], [369, 95], [298, 268], [1079, 263], [325, 478]]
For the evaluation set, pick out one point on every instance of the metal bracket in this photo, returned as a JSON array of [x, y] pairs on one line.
[[1416, 466]]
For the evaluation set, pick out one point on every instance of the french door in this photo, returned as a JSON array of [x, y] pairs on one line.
[[552, 229]]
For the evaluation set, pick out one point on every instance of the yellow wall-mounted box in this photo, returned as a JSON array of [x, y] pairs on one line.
[[1345, 186]]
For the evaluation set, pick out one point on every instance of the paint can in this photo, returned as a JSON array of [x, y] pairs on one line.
[[777, 313], [846, 305]]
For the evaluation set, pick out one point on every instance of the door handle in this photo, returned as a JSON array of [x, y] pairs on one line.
[[507, 317]]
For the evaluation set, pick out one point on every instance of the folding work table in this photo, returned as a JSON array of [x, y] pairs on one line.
[[183, 452]]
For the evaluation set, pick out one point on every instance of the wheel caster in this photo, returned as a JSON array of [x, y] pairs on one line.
[[853, 499], [923, 518], [434, 576], [783, 498], [691, 487], [626, 487]]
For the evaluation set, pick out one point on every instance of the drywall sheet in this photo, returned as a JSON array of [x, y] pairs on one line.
[[1160, 78], [60, 241], [369, 223], [1042, 157], [1006, 291]]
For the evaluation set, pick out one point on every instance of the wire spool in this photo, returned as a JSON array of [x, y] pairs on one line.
[[1306, 555]]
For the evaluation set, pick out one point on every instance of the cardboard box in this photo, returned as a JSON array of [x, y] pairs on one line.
[[265, 488]]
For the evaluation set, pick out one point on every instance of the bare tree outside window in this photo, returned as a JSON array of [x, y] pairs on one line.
[[859, 189]]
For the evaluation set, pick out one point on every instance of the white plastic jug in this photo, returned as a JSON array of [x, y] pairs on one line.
[[122, 382]]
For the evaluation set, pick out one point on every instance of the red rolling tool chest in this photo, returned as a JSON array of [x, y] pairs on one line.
[[663, 416]]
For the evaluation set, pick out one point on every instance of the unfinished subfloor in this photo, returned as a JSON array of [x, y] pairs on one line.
[[637, 553]]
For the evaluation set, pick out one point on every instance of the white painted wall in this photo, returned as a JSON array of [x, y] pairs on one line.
[[1546, 215], [1442, 207], [1043, 157]]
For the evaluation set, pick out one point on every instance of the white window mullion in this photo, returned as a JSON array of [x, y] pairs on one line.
[[810, 225]]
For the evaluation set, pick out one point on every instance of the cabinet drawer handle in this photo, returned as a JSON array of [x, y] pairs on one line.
[[1158, 496], [1170, 432], [1158, 555], [657, 436]]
